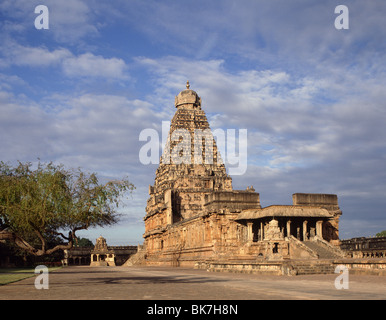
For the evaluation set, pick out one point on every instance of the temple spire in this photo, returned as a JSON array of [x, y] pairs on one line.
[[187, 85]]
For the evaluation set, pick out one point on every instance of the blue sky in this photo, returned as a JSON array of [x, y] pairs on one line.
[[311, 97]]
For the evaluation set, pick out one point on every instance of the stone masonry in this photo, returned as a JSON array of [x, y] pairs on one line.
[[194, 217]]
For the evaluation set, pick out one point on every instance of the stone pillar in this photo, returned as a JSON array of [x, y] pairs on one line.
[[319, 230], [168, 203], [288, 228], [249, 231], [305, 237], [261, 231]]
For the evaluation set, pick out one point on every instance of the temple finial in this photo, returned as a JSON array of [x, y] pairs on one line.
[[187, 85]]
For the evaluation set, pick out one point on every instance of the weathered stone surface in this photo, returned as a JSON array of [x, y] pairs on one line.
[[373, 248], [194, 217]]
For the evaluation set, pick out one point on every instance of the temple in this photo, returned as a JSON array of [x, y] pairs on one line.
[[194, 216]]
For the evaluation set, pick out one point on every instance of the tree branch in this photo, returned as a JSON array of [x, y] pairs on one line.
[[69, 245], [61, 234], [19, 241], [42, 240]]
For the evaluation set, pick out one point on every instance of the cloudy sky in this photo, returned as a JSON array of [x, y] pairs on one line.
[[312, 97]]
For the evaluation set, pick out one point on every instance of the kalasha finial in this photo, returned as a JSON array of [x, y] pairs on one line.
[[187, 85]]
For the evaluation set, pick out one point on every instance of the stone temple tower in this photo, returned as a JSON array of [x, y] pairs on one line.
[[190, 180], [191, 166]]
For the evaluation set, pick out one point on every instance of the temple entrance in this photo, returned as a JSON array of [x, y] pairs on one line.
[[303, 229]]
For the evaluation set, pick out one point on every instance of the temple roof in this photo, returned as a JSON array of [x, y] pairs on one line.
[[284, 211], [188, 97]]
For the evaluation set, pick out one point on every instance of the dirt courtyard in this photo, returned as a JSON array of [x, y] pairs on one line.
[[164, 283]]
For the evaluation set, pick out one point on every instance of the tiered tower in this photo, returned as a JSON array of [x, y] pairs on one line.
[[190, 167]]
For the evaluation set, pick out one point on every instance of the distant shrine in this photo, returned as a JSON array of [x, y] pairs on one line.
[[194, 217], [99, 255]]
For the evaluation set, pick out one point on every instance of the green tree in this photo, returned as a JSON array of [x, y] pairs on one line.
[[381, 234], [36, 204], [83, 242]]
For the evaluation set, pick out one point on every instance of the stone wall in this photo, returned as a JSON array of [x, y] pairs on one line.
[[375, 267], [232, 200], [326, 201], [82, 255], [365, 247], [293, 268]]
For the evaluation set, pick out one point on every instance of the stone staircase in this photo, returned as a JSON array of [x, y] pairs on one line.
[[308, 267], [324, 254], [321, 250], [137, 258]]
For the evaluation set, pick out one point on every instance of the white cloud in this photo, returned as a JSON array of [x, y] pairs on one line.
[[36, 56], [85, 65], [23, 128], [89, 130], [89, 65], [70, 21]]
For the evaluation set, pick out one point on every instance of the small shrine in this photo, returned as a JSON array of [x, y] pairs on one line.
[[101, 255]]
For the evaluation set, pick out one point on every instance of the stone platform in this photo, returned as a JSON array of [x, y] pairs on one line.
[[297, 267]]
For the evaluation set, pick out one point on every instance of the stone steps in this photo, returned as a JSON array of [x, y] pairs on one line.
[[136, 259], [309, 268], [322, 251]]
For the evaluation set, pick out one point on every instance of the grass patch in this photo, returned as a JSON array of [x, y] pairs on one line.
[[9, 275]]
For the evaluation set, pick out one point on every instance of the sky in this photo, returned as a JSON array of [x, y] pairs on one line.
[[312, 97]]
